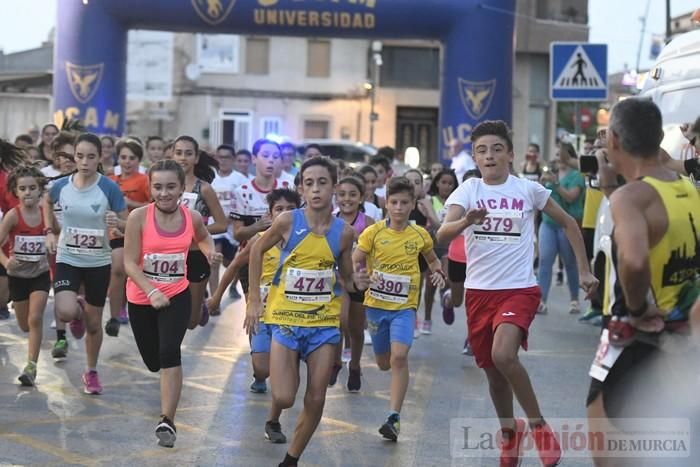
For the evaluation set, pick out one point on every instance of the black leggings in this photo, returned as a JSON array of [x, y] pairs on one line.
[[159, 333]]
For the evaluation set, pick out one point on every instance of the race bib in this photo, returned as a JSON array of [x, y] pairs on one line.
[[500, 226], [165, 268], [30, 248], [308, 286], [390, 287], [189, 199], [84, 241], [605, 357]]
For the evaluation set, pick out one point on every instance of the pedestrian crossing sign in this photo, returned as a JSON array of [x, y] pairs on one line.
[[578, 71]]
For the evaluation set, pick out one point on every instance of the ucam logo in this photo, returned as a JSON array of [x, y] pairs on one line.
[[84, 80], [476, 96], [213, 11]]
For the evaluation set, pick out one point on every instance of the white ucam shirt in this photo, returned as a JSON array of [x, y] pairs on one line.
[[224, 186], [500, 251]]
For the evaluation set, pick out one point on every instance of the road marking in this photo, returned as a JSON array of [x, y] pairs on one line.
[[185, 382], [68, 457]]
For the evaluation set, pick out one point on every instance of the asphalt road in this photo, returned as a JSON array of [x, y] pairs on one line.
[[221, 423]]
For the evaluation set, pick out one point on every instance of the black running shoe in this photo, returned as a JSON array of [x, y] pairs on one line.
[[334, 375], [354, 379], [560, 278], [112, 327], [166, 432], [273, 433], [391, 428]]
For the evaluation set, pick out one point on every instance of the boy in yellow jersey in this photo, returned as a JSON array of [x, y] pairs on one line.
[[303, 304], [280, 200], [390, 249], [656, 262]]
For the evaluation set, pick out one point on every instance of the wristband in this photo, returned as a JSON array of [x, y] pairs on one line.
[[153, 290]]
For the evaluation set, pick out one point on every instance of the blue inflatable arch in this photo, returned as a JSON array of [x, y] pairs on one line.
[[91, 42]]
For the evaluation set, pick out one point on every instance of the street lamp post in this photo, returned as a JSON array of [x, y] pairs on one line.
[[376, 63]]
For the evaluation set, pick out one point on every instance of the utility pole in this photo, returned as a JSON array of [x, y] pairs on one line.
[[668, 21], [376, 63]]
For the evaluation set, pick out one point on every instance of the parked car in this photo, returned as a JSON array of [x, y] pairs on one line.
[[354, 154]]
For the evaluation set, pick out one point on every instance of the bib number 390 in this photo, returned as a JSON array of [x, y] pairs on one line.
[[392, 288], [308, 286]]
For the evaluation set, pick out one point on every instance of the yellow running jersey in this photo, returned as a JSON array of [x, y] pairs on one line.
[[305, 289], [271, 259], [675, 260], [392, 258], [590, 208]]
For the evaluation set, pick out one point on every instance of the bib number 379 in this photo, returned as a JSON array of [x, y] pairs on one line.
[[308, 286]]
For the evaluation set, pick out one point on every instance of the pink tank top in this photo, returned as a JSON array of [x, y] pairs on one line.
[[455, 251], [163, 257]]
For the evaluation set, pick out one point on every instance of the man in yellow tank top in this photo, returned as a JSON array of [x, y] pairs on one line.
[[303, 304], [390, 249], [656, 261]]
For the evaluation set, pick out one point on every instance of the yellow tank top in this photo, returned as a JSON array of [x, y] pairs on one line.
[[305, 290], [590, 208], [675, 260], [271, 259], [392, 260]]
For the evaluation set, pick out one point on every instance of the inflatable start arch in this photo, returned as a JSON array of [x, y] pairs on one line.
[[91, 42]]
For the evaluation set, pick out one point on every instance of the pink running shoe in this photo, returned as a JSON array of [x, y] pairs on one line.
[[92, 383], [512, 448], [547, 445], [77, 326]]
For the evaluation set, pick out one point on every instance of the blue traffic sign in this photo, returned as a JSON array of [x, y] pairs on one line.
[[578, 71]]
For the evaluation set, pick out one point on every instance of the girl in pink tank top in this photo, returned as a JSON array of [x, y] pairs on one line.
[[156, 244]]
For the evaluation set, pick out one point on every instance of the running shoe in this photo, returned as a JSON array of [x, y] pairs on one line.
[[547, 445], [28, 375], [448, 311], [590, 313], [258, 387], [391, 428], [427, 327], [467, 350], [166, 432], [4, 313], [368, 338], [347, 355], [354, 379], [542, 308], [77, 326], [273, 433], [112, 327], [574, 308], [560, 278], [60, 349], [233, 293], [204, 318], [92, 383], [597, 321], [334, 375], [123, 316], [512, 449]]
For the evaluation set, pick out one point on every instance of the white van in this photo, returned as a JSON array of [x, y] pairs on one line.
[[674, 86]]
